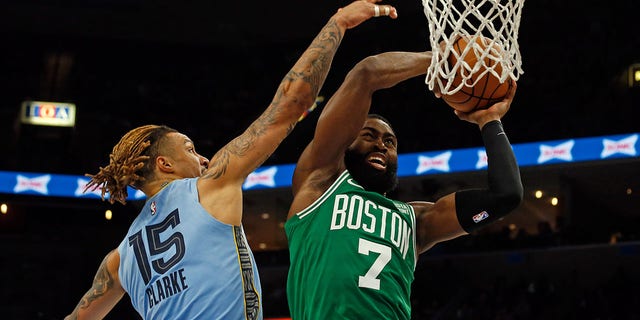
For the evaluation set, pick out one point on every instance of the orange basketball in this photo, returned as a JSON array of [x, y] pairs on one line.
[[488, 89]]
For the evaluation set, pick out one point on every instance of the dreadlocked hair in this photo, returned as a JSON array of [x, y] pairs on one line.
[[128, 165]]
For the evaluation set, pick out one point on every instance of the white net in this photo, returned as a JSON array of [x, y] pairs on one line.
[[491, 29]]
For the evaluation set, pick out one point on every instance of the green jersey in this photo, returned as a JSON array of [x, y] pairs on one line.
[[352, 256]]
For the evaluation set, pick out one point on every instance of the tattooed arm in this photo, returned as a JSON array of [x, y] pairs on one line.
[[105, 292], [220, 187]]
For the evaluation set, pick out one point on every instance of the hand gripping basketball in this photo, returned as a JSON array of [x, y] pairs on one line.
[[494, 112]]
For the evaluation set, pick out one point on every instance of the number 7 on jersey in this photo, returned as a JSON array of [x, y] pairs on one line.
[[370, 279]]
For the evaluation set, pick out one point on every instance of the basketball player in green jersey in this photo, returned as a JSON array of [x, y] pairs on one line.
[[353, 251]]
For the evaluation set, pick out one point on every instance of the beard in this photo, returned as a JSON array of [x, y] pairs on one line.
[[368, 177]]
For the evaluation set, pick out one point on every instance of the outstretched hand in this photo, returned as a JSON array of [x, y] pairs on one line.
[[495, 112], [359, 11]]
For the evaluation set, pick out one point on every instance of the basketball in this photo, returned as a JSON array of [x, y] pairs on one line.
[[487, 89]]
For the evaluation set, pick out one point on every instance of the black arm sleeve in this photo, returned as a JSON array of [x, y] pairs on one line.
[[476, 208]]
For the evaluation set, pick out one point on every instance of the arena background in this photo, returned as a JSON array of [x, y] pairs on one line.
[[208, 69]]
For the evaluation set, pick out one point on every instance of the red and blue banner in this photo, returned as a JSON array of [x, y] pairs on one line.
[[414, 164]]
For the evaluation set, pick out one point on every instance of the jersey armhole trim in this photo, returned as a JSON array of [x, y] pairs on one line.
[[311, 208]]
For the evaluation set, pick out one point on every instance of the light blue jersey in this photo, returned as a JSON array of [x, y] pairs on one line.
[[178, 262]]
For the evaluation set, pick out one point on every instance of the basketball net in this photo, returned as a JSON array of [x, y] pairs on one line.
[[497, 21]]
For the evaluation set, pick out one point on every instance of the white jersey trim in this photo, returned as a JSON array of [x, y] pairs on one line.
[[306, 211]]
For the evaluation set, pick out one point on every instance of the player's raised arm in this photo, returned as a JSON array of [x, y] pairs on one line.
[[464, 211], [344, 115], [295, 94]]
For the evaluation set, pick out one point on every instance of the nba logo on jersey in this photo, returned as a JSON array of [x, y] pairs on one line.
[[153, 208], [480, 216]]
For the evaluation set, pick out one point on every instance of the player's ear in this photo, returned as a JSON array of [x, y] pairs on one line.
[[164, 164]]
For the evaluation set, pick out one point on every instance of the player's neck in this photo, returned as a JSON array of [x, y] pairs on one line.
[[153, 187]]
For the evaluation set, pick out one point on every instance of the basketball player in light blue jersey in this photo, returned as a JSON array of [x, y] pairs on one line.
[[353, 251], [186, 256]]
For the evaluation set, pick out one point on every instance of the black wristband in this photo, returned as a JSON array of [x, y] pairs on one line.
[[479, 207]]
